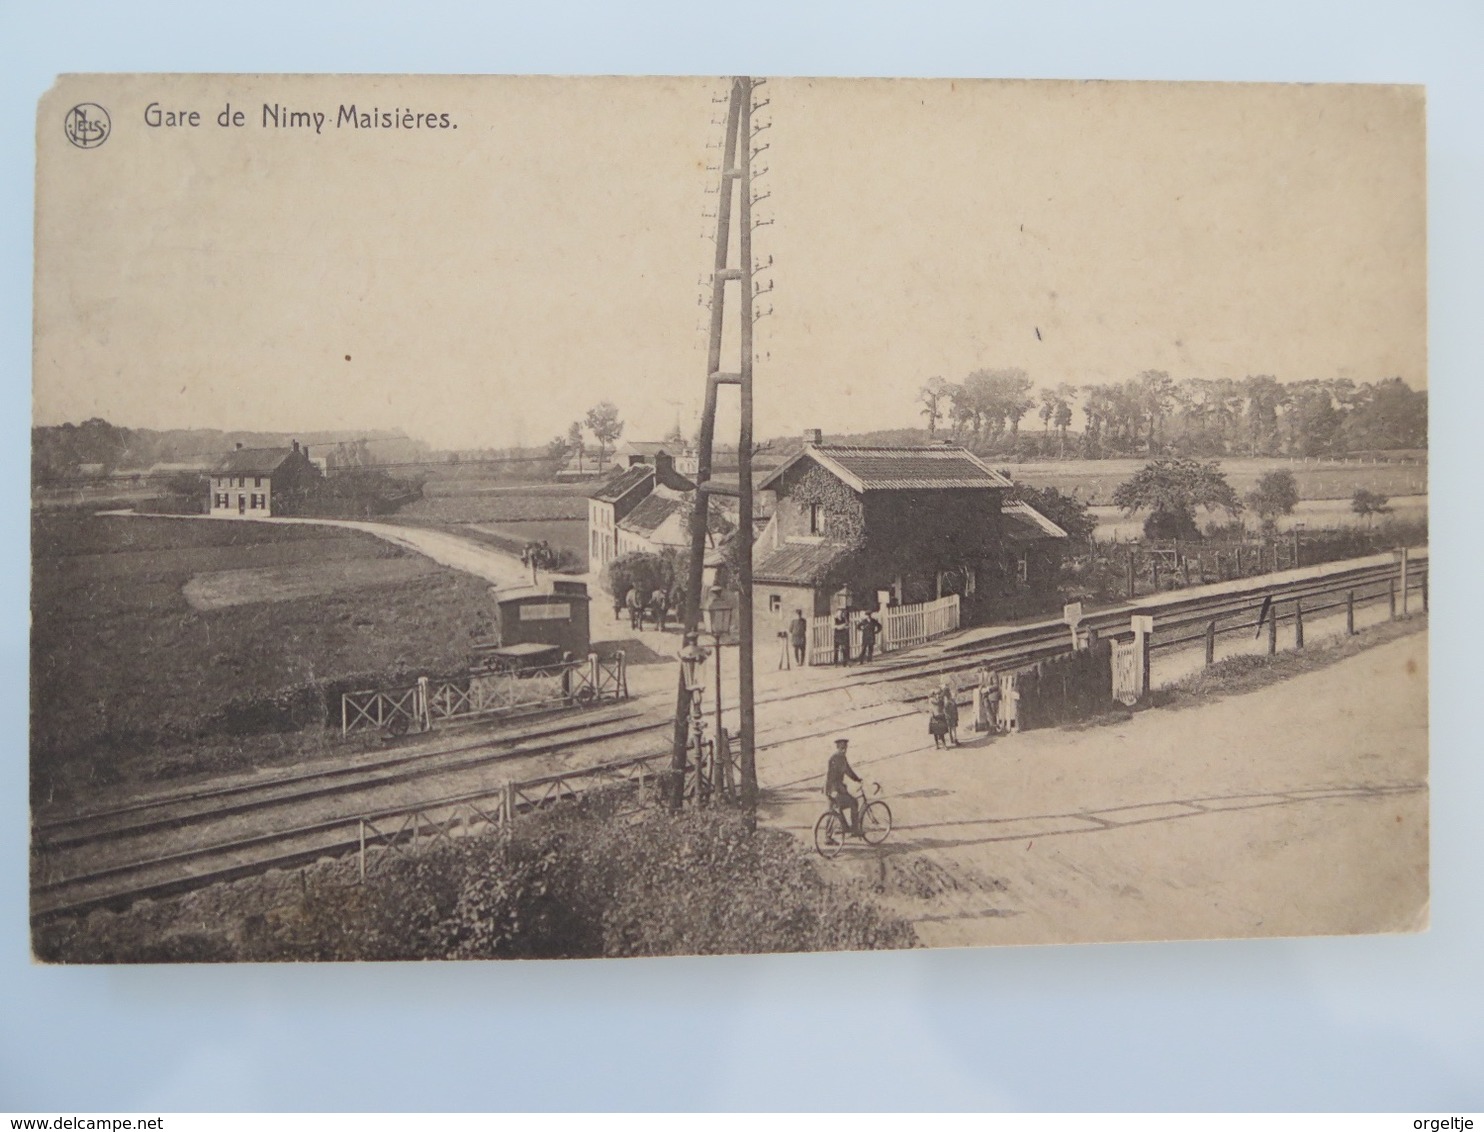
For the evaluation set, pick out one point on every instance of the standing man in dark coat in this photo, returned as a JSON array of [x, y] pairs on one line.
[[798, 636], [842, 637], [870, 629]]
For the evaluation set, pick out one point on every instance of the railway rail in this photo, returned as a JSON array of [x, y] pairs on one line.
[[1228, 607]]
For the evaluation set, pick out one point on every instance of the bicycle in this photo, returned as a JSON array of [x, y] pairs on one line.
[[873, 815]]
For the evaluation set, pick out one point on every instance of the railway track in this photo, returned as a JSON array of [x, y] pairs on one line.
[[184, 839]]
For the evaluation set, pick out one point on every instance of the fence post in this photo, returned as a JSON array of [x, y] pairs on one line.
[[424, 716], [1391, 583], [1131, 575], [1273, 629], [1211, 643], [1404, 571], [507, 807], [1298, 623], [1185, 565], [595, 677], [1143, 627], [363, 850], [344, 717], [1239, 561], [1350, 613]]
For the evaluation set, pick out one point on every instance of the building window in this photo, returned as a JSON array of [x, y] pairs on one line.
[[775, 603], [816, 519], [971, 580], [257, 481], [1022, 567]]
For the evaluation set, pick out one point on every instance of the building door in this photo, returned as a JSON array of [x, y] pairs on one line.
[[242, 505]]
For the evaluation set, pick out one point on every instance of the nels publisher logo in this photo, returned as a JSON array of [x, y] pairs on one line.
[[87, 125]]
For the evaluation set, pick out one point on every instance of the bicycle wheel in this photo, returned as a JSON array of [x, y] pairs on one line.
[[829, 834], [875, 823]]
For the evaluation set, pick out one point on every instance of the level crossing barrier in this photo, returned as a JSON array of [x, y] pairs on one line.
[[417, 707]]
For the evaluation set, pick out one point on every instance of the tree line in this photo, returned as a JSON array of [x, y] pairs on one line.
[[69, 452], [1155, 414]]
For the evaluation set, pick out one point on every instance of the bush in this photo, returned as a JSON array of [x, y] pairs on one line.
[[583, 883], [638, 569]]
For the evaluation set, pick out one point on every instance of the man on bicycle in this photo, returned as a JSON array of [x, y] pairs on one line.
[[835, 789]]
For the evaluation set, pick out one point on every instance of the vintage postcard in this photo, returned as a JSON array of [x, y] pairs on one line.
[[500, 517]]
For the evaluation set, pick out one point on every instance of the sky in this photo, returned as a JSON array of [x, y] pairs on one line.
[[482, 286]]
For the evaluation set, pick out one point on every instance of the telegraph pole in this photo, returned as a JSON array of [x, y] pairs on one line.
[[735, 170]]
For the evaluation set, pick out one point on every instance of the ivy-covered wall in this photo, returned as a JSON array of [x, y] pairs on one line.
[[906, 535]]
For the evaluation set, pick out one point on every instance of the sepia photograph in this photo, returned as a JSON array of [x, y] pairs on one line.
[[537, 517]]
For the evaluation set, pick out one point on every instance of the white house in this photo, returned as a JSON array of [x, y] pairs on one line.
[[252, 482]]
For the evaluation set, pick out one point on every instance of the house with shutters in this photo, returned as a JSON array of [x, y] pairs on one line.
[[854, 526], [646, 507], [258, 483]]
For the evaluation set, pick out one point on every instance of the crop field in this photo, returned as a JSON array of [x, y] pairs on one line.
[[473, 500], [1094, 481], [561, 534], [132, 680]]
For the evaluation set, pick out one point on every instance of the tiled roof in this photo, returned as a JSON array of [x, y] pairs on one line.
[[870, 468], [620, 485], [647, 518], [252, 461], [1023, 523], [798, 563]]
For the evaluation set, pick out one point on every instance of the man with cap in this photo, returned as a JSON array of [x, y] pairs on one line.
[[834, 784]]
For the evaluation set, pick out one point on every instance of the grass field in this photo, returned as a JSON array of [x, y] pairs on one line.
[[1094, 481], [492, 501], [130, 681]]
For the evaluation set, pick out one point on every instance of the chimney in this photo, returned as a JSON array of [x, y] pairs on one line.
[[306, 451], [813, 436], [239, 446], [296, 446], [664, 467]]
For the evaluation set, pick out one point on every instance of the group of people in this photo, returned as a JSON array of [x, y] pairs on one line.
[[655, 607], [943, 708], [869, 629], [538, 556]]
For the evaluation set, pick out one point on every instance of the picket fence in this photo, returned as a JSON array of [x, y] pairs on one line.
[[902, 626]]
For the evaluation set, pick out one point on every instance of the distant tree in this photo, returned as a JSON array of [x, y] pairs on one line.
[[1170, 490], [931, 397], [602, 421], [961, 411], [1056, 410], [1367, 503], [557, 448], [1276, 494], [1388, 414], [1063, 418], [1155, 396]]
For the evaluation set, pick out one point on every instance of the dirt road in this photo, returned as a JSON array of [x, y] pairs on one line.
[[1300, 808], [463, 554]]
